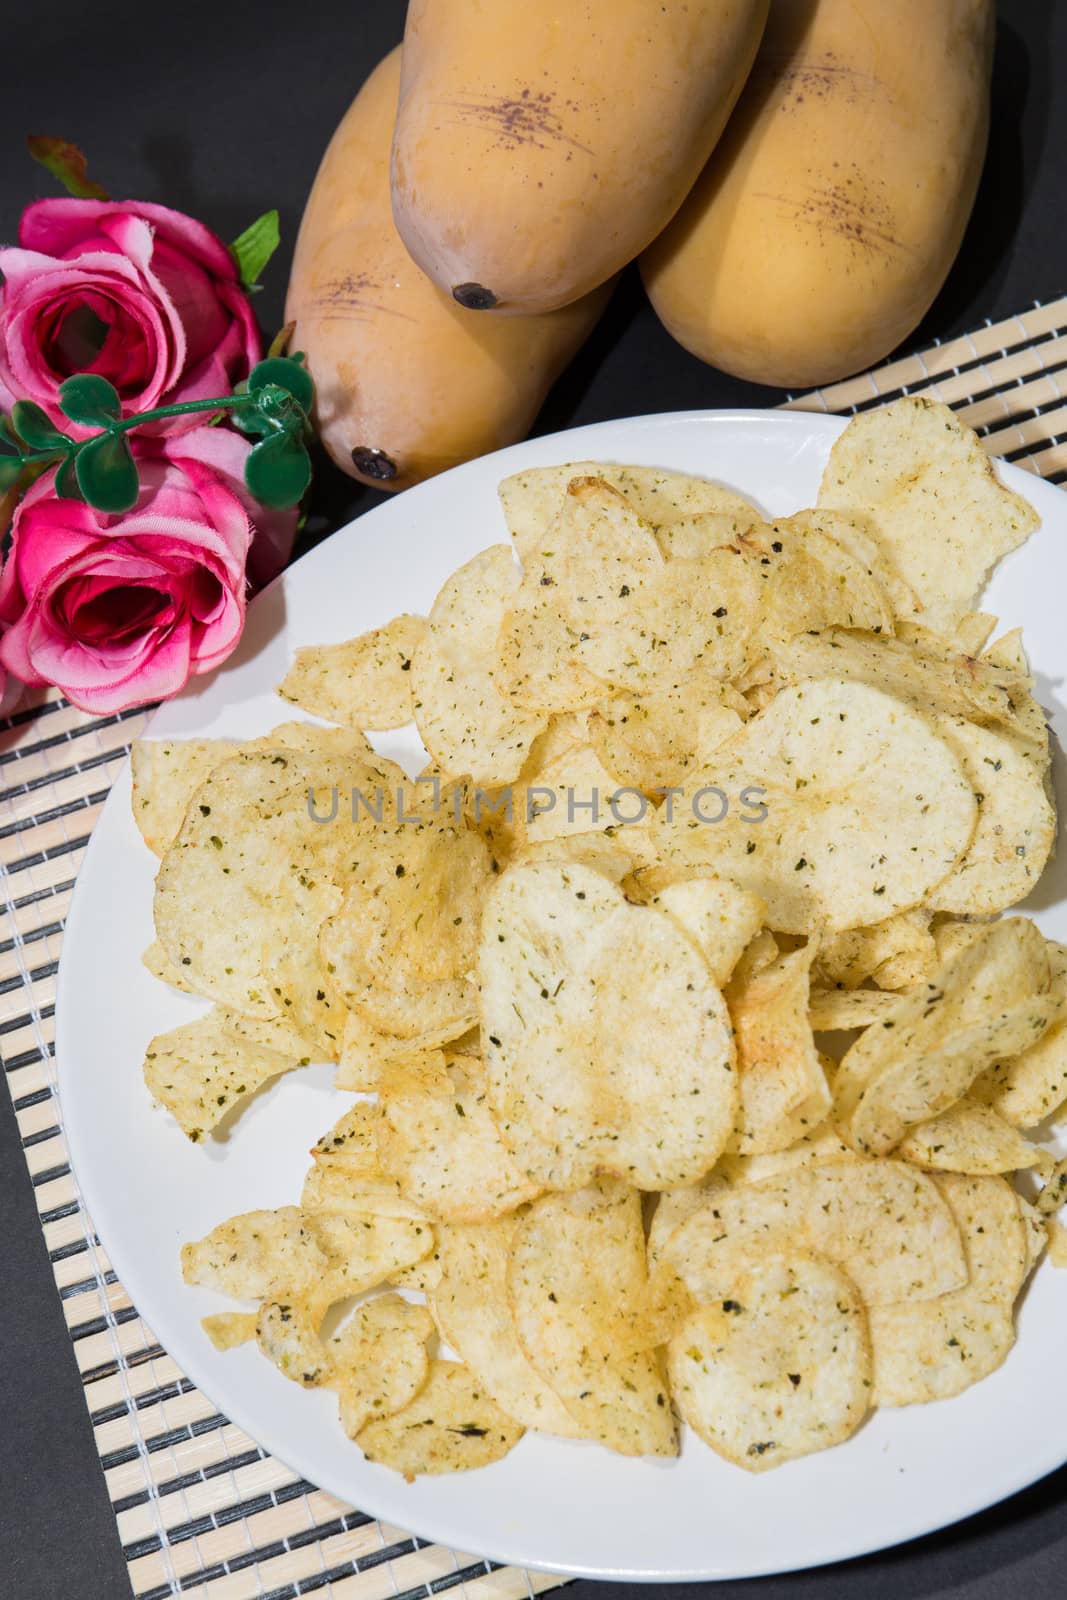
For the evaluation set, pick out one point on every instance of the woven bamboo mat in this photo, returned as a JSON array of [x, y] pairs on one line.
[[201, 1509]]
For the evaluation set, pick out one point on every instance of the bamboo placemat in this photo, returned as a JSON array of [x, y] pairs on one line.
[[201, 1509]]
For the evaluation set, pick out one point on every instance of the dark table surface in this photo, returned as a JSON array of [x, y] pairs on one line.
[[222, 108]]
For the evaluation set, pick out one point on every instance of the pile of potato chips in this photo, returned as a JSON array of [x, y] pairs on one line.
[[697, 1074]]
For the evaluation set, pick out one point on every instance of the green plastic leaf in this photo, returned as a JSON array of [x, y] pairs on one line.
[[67, 480], [67, 163], [107, 473], [89, 400], [284, 372], [10, 472], [35, 428], [252, 249], [278, 470]]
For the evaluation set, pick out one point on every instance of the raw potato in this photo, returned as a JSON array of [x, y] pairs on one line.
[[470, 1306], [992, 999], [513, 171], [563, 957], [363, 683], [463, 716], [779, 1369], [883, 1222], [577, 1267], [866, 808], [407, 382], [450, 1426], [827, 220], [379, 1361], [931, 1349], [934, 501]]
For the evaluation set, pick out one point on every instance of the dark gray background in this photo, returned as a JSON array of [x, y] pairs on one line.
[[222, 108]]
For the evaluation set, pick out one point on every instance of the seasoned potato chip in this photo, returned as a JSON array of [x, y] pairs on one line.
[[363, 683], [463, 714], [247, 883], [162, 967], [720, 918], [970, 1138], [577, 1265], [451, 1425], [366, 1050], [657, 741], [1016, 824], [563, 957], [166, 775], [883, 1222], [200, 1071], [901, 947], [471, 1308], [229, 1329], [991, 999], [287, 1332], [931, 1349], [347, 1175], [780, 1368], [973, 631], [1028, 1087], [784, 1093], [532, 499], [378, 1360], [437, 1138], [933, 497], [836, 1010], [325, 1255], [401, 945], [866, 809], [1057, 1244], [813, 582], [1054, 1190]]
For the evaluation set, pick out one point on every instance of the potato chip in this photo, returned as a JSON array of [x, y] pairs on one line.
[[347, 1174], [471, 1308], [327, 1255], [900, 947], [720, 918], [366, 1051], [692, 537], [242, 892], [162, 967], [883, 1222], [812, 581], [657, 741], [992, 999], [287, 1332], [784, 1093], [531, 499], [865, 809], [463, 714], [229, 1329], [970, 1138], [1016, 824], [780, 1368], [363, 683], [837, 1010], [604, 852], [1053, 1192], [437, 1138], [166, 775], [401, 945], [199, 1072], [1057, 1244], [379, 1360], [1028, 1087], [563, 957], [931, 1349], [577, 1265], [933, 497], [973, 631], [450, 1426], [675, 1206], [1037, 1231]]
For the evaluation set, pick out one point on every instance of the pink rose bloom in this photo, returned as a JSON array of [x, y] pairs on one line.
[[120, 610], [144, 296]]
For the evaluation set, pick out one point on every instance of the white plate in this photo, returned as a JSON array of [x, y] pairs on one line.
[[567, 1506]]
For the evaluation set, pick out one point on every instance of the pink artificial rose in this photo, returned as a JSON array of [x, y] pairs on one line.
[[144, 296], [120, 610]]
